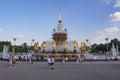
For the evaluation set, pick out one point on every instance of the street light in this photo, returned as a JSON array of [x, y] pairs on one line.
[[107, 43], [33, 40], [87, 40], [14, 39]]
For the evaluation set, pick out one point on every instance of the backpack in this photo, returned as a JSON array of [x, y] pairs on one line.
[[13, 59]]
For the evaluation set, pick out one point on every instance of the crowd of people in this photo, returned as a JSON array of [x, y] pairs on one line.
[[49, 59], [29, 59]]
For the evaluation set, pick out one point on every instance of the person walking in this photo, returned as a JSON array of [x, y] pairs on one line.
[[30, 58], [52, 62], [10, 61], [13, 62], [49, 62]]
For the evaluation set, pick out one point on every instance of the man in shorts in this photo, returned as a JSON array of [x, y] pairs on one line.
[[49, 62], [52, 62], [13, 61]]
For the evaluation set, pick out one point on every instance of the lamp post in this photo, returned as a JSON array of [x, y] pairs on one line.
[[14, 39], [107, 43], [33, 40], [87, 40], [32, 48]]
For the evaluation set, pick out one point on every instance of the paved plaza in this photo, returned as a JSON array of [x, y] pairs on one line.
[[68, 71]]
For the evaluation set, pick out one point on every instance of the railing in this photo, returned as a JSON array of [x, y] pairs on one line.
[[61, 55]]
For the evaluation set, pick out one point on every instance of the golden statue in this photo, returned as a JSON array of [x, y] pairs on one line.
[[36, 46], [44, 45], [75, 44], [65, 45], [54, 45], [83, 47]]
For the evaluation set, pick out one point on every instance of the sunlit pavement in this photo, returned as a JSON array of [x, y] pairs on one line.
[[63, 71]]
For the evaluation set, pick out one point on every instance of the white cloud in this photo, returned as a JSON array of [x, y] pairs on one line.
[[110, 32], [106, 1], [20, 36], [115, 17], [117, 3], [1, 29]]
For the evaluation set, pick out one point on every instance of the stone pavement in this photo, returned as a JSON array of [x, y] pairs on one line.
[[68, 71]]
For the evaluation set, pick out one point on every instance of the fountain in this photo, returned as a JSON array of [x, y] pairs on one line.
[[5, 49], [60, 43], [5, 53], [114, 51]]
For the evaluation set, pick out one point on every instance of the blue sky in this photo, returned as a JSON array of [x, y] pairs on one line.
[[35, 19]]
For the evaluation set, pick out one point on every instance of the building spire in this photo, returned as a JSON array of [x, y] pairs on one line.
[[60, 15], [60, 26]]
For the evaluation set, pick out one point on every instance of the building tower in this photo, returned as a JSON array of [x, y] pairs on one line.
[[60, 26], [60, 35]]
